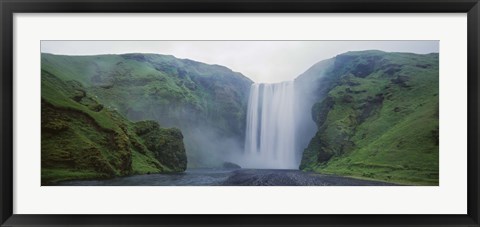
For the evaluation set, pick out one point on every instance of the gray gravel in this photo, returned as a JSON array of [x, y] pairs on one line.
[[246, 177], [223, 177]]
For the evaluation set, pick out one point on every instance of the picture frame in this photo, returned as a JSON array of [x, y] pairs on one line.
[[10, 7]]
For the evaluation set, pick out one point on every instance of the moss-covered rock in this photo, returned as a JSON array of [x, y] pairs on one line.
[[166, 144], [80, 139], [378, 118], [175, 92]]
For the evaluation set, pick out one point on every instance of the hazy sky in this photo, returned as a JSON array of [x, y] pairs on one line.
[[261, 61]]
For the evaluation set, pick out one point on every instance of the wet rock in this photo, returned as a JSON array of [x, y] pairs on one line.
[[231, 165]]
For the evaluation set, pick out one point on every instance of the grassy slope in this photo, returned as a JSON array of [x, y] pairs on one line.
[[379, 120], [175, 92], [82, 140]]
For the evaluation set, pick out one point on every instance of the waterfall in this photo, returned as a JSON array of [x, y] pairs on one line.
[[270, 129]]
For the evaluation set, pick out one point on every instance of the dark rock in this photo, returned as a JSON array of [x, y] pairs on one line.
[[391, 69], [435, 135], [231, 165], [321, 109], [106, 86], [351, 83], [401, 81], [364, 69], [347, 98], [78, 95], [359, 91], [370, 107], [423, 66], [96, 107]]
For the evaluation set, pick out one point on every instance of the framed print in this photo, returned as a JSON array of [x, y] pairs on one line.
[[257, 113]]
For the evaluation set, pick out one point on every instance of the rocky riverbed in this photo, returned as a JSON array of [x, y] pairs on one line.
[[224, 177]]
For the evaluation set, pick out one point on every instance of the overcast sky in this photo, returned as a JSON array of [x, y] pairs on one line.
[[261, 61]]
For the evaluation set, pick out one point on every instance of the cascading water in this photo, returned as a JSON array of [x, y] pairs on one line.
[[270, 131]]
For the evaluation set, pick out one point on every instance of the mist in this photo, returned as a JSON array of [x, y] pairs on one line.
[[279, 122], [309, 88], [287, 127], [209, 148]]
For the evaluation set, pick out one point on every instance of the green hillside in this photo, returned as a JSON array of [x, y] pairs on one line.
[[377, 117], [83, 139], [207, 102]]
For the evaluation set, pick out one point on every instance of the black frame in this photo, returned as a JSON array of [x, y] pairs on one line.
[[9, 7]]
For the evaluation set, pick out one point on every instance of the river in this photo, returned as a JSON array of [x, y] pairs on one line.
[[224, 177]]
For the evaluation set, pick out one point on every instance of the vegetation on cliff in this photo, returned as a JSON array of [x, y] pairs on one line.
[[372, 115], [207, 102], [377, 117], [83, 139]]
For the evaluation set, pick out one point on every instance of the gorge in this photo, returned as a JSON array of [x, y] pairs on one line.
[[363, 114]]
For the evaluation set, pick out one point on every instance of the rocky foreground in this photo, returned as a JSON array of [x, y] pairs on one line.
[[255, 177], [223, 177]]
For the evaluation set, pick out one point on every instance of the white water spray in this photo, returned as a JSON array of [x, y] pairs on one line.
[[270, 133]]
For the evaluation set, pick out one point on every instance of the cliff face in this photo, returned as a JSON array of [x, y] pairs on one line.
[[83, 139], [371, 115], [206, 102], [377, 117]]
